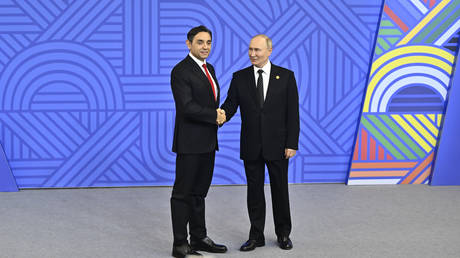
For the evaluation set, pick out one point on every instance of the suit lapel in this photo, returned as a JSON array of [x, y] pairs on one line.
[[197, 70], [252, 84], [272, 82]]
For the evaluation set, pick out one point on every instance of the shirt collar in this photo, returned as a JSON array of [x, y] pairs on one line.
[[266, 68], [198, 61]]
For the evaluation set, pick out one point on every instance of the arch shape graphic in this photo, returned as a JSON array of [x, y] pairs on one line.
[[418, 71], [430, 82], [417, 49], [424, 59], [48, 83], [58, 58], [37, 80]]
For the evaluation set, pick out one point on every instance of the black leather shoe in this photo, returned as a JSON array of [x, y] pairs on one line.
[[180, 251], [285, 242], [207, 245], [251, 244]]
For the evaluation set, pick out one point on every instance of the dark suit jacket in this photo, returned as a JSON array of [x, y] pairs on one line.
[[273, 127], [195, 129]]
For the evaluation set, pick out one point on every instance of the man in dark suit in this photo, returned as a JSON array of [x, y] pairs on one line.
[[196, 96], [269, 104]]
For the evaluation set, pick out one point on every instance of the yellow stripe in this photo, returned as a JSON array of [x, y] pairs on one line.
[[399, 62], [432, 117], [412, 133], [439, 120], [421, 130], [423, 23], [428, 124], [410, 50]]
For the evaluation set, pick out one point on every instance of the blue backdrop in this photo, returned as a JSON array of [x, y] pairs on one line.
[[445, 170], [85, 97]]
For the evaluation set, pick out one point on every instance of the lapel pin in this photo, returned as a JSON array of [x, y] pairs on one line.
[[277, 77]]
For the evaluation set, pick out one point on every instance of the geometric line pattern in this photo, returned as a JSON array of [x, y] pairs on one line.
[[401, 172], [368, 148], [407, 90], [389, 34], [85, 96]]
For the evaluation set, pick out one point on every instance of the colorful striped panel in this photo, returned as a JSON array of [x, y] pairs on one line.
[[406, 92]]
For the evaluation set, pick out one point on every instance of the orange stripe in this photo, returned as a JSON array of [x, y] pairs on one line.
[[395, 18], [378, 173], [363, 144], [423, 176], [372, 148], [418, 169], [383, 164], [381, 153], [355, 154]]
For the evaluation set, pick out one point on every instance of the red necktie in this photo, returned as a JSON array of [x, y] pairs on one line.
[[210, 81]]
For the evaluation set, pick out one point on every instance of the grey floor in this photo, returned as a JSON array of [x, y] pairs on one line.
[[329, 220]]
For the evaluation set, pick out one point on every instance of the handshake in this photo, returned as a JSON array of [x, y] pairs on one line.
[[221, 118]]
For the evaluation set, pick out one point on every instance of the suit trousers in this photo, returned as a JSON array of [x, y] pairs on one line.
[[193, 178], [255, 175]]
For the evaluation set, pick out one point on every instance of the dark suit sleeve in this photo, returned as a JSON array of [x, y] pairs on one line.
[[293, 124], [232, 101], [185, 103]]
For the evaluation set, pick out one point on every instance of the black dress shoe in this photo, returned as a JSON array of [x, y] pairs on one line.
[[180, 251], [285, 242], [207, 245], [251, 244]]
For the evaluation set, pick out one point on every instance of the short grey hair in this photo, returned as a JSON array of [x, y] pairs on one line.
[[267, 39]]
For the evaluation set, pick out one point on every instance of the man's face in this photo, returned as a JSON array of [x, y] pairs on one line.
[[200, 47], [259, 52]]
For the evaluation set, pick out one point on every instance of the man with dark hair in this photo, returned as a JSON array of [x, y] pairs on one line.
[[269, 104], [191, 34], [196, 96]]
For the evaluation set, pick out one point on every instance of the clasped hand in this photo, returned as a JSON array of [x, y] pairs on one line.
[[221, 118]]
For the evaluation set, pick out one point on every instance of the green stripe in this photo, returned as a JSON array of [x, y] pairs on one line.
[[392, 137], [444, 27], [390, 32], [440, 17], [407, 139], [381, 139], [383, 43], [378, 51], [392, 40], [386, 23]]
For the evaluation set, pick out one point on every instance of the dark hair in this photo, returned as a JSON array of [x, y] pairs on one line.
[[191, 34]]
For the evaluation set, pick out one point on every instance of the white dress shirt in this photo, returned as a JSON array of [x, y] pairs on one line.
[[265, 76]]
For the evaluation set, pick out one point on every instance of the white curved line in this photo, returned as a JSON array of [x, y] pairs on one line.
[[393, 76], [410, 80]]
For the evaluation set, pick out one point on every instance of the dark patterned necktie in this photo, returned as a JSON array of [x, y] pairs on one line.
[[260, 88]]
